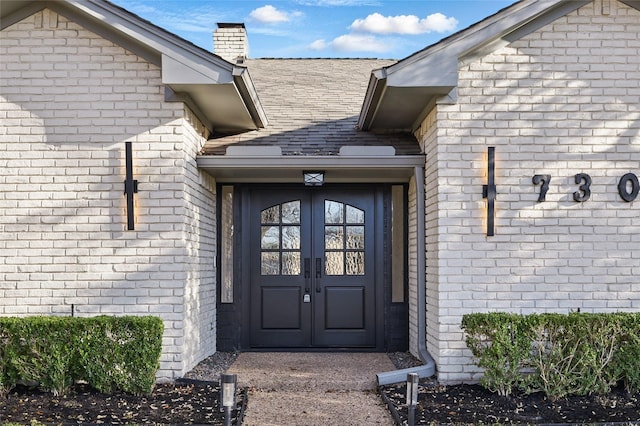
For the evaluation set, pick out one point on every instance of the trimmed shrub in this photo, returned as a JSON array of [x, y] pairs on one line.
[[122, 353], [501, 345], [626, 360], [109, 353], [574, 354]]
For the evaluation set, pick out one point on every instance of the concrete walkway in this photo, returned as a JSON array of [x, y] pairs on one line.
[[312, 388]]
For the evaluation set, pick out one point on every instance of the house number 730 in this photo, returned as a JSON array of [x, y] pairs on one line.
[[628, 187]]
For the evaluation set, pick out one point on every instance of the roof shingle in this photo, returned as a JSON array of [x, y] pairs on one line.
[[312, 106]]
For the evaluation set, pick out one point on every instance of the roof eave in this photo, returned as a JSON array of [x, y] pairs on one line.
[[187, 69], [434, 70], [375, 91], [248, 92], [289, 168]]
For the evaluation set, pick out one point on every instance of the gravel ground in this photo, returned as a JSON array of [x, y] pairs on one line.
[[312, 388], [307, 388], [211, 368]]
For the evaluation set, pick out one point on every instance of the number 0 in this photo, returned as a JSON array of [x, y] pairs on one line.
[[625, 180]]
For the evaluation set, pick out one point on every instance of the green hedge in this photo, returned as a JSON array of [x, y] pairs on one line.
[[109, 353], [574, 354]]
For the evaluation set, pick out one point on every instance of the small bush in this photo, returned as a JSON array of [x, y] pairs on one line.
[[109, 353], [501, 347], [626, 361], [557, 354], [132, 366]]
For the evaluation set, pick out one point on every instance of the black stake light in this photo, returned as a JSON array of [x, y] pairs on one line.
[[130, 186], [489, 190]]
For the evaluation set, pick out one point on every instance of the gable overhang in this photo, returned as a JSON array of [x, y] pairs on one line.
[[399, 97], [289, 169], [220, 93]]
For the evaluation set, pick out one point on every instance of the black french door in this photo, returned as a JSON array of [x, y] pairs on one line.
[[313, 268]]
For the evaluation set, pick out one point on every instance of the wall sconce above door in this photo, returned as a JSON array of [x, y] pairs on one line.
[[130, 186], [313, 178]]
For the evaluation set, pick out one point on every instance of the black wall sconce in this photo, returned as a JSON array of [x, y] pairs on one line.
[[489, 190], [130, 186]]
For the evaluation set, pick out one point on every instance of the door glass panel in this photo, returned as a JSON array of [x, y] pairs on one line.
[[355, 237], [291, 263], [226, 264], [333, 238], [355, 263], [333, 212], [270, 263], [280, 239], [291, 212], [354, 215], [270, 237], [291, 237], [270, 215], [344, 230], [334, 263]]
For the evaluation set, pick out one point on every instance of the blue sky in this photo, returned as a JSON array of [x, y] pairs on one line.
[[320, 28]]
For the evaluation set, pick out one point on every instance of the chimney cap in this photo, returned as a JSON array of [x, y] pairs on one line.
[[230, 25]]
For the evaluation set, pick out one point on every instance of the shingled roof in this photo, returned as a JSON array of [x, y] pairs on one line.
[[312, 106]]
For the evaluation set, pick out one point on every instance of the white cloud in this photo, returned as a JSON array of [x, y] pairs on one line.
[[318, 45], [270, 15], [404, 24], [352, 43]]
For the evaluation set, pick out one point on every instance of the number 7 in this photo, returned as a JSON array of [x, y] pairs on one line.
[[544, 179]]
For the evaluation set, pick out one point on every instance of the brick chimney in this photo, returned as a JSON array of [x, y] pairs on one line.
[[230, 42]]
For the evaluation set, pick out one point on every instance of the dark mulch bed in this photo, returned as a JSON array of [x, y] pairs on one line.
[[182, 403], [466, 404], [196, 401]]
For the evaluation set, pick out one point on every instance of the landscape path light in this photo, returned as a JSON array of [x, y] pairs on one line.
[[412, 397], [228, 395]]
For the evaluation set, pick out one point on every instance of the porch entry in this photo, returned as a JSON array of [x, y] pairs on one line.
[[313, 267]]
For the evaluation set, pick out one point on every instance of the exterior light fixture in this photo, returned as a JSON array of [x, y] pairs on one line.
[[489, 190], [313, 178], [227, 395], [130, 186], [412, 397]]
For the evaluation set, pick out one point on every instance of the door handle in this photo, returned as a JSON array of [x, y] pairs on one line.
[[318, 274], [307, 274]]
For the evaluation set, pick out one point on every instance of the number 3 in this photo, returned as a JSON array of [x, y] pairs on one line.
[[584, 190]]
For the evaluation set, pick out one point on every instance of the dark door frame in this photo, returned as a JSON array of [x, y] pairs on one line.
[[392, 322], [379, 256]]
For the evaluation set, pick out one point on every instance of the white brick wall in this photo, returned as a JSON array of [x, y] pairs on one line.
[[231, 43], [561, 101], [69, 100]]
